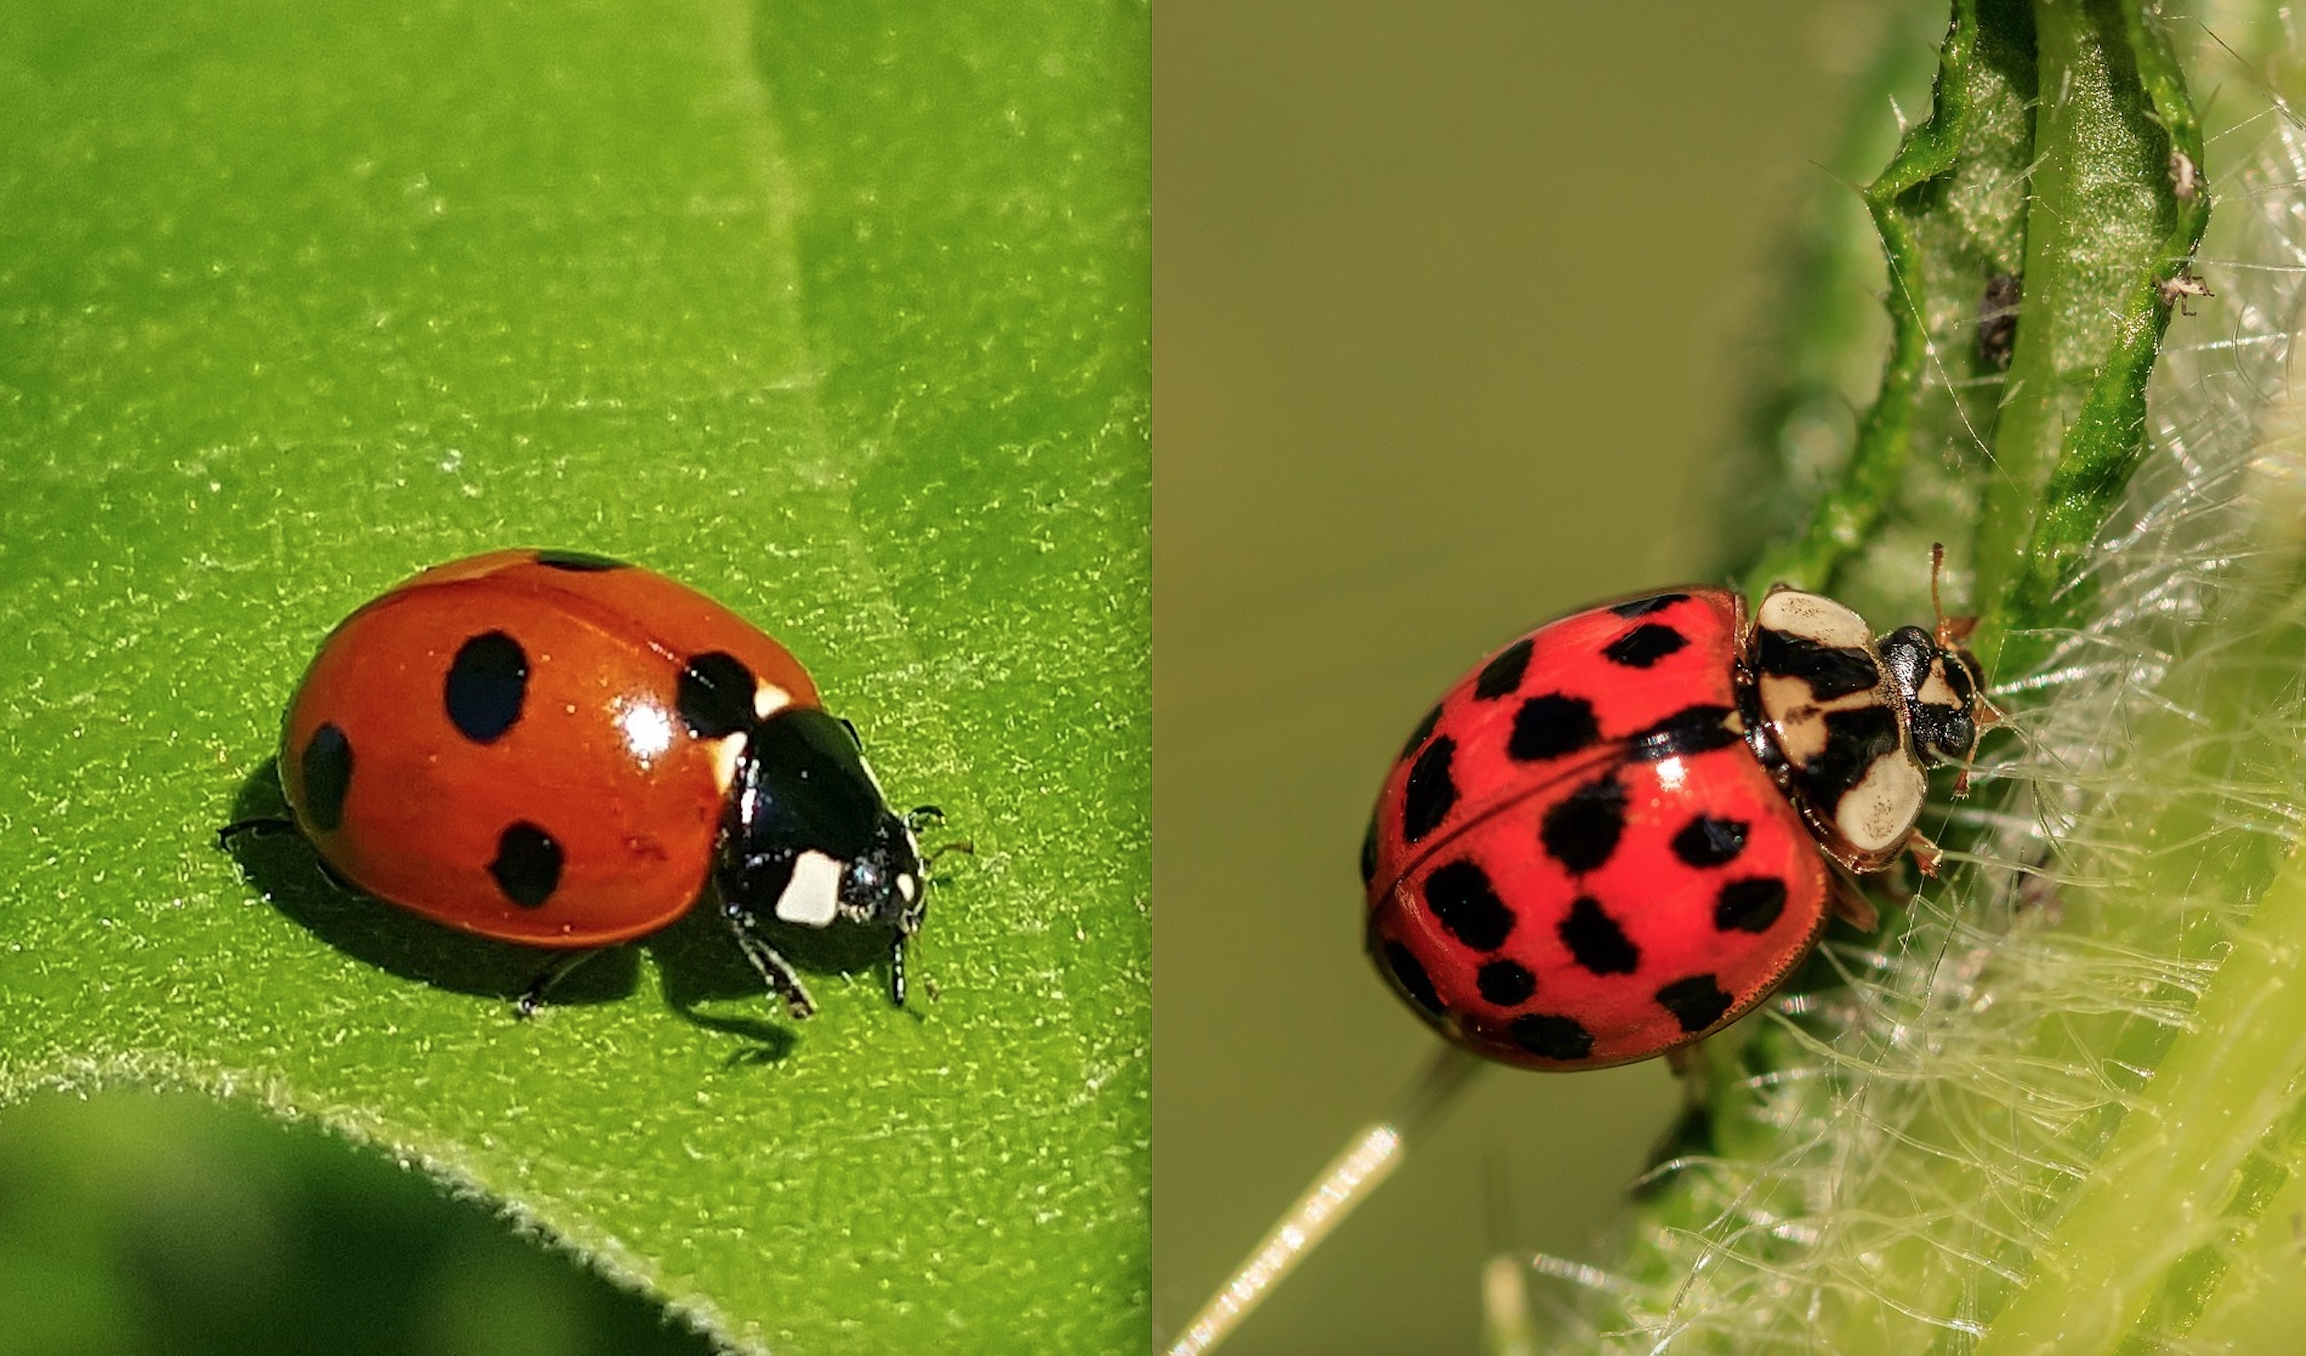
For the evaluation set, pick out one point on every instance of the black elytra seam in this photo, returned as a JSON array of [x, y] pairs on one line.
[[1697, 1002], [1412, 978], [583, 562], [486, 686], [1595, 941], [1581, 831], [715, 696], [1550, 1037], [1431, 793], [1709, 841], [1644, 645], [528, 864], [1749, 905], [1552, 725], [1505, 983], [1503, 673], [1642, 607], [1423, 732], [1461, 899], [325, 767]]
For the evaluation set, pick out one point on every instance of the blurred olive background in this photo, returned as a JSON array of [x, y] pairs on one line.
[[1455, 309]]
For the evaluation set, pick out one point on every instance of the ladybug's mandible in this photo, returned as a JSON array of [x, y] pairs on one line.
[[1619, 834], [566, 751]]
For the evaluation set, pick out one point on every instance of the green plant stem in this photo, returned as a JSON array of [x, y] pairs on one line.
[[2107, 225], [1877, 461]]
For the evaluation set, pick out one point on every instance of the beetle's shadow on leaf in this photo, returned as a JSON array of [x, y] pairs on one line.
[[288, 872], [694, 955], [700, 964]]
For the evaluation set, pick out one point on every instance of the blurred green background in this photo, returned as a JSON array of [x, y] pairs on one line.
[[166, 1224], [1456, 310]]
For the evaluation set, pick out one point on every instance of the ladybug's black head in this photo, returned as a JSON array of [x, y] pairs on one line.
[[807, 838], [1939, 685], [884, 887]]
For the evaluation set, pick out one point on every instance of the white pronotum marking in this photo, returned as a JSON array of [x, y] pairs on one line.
[[1876, 813], [1814, 618], [813, 896]]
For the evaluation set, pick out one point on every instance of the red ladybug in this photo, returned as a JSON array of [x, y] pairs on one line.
[[1613, 838], [564, 750]]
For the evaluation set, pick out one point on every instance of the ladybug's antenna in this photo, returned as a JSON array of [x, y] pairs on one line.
[[1937, 567], [1952, 631], [1366, 1162]]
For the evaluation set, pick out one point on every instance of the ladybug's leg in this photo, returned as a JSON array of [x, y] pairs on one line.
[[264, 826], [1926, 854], [532, 997], [1850, 903], [773, 967]]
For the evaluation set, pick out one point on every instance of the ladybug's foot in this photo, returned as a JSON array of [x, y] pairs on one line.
[[1925, 853], [965, 847], [264, 826], [774, 969], [532, 997]]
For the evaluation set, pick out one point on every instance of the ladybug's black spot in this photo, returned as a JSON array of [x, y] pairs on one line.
[[1642, 607], [1582, 830], [1706, 841], [1550, 1037], [1596, 942], [527, 865], [1552, 726], [1644, 645], [1502, 674], [485, 687], [1691, 730], [1423, 732], [1749, 905], [1460, 897], [1430, 793], [1696, 1002], [1412, 977], [1369, 853], [581, 561], [716, 695], [326, 766], [1505, 983]]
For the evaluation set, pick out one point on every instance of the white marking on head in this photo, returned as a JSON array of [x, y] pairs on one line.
[[1815, 618], [906, 889], [813, 896], [769, 699], [1935, 690], [1875, 814]]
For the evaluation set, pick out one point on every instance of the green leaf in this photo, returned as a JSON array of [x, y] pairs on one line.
[[835, 312]]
